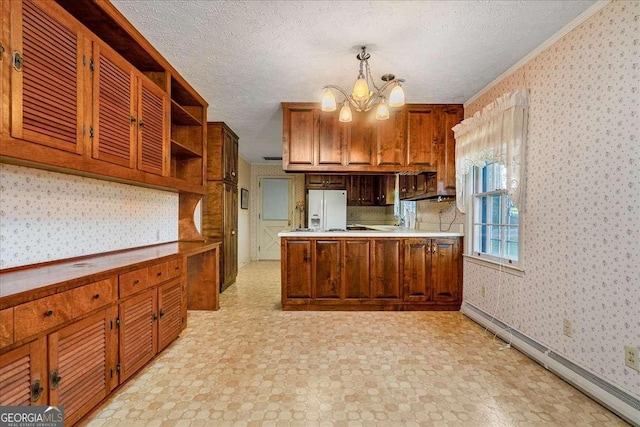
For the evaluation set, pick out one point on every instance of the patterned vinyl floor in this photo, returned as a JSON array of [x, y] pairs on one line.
[[251, 364]]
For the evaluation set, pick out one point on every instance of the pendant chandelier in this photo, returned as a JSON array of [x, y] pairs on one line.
[[361, 97]]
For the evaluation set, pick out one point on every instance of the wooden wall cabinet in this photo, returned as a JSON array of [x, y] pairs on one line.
[[220, 206], [361, 190], [130, 118], [385, 190], [417, 138], [371, 273], [325, 182], [371, 190], [85, 94]]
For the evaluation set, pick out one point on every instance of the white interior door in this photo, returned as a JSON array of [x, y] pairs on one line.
[[274, 215]]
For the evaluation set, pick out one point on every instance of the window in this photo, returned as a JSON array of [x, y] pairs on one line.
[[400, 207], [496, 221]]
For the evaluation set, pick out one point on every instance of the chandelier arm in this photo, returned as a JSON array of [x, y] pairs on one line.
[[387, 84], [347, 96]]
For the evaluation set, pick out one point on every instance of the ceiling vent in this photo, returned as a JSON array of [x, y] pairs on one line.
[[272, 158]]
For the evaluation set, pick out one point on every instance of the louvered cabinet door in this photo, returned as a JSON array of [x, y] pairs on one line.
[[5, 66], [138, 337], [47, 89], [169, 313], [23, 375], [152, 128], [114, 120], [82, 360]]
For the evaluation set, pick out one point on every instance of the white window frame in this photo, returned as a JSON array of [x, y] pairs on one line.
[[473, 244]]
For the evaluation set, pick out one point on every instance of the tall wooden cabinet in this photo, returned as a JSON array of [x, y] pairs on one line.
[[220, 207]]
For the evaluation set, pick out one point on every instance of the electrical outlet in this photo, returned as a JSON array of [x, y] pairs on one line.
[[567, 327], [483, 291], [631, 357]]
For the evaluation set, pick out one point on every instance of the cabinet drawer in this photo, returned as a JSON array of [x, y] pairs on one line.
[[175, 268], [94, 295], [6, 327], [134, 281], [36, 316], [158, 273]]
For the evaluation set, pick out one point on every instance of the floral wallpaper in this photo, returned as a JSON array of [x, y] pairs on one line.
[[47, 216], [581, 230]]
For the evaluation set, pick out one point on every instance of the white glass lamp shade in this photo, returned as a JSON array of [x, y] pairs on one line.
[[382, 112], [328, 101], [396, 97], [360, 89], [345, 113]]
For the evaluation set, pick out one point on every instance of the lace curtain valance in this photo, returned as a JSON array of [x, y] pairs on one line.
[[496, 135]]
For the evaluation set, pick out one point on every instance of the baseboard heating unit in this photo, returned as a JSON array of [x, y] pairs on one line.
[[621, 402]]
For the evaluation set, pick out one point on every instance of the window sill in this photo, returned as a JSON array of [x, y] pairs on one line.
[[516, 271]]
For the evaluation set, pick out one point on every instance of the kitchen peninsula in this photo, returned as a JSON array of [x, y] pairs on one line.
[[381, 268]]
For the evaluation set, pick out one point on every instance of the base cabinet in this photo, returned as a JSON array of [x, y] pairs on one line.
[[80, 344], [371, 274], [82, 364], [23, 375]]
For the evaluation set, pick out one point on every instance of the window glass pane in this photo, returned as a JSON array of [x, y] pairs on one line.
[[513, 217], [275, 199], [512, 243], [496, 209], [496, 241]]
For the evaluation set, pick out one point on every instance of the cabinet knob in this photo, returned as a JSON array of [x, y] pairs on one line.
[[55, 379], [96, 296], [135, 282], [48, 313], [36, 390], [161, 313], [154, 317], [159, 273], [140, 124], [132, 120]]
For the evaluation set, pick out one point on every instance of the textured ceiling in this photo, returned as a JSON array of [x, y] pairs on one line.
[[245, 57]]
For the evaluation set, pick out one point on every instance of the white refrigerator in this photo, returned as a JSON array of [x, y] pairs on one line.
[[327, 210]]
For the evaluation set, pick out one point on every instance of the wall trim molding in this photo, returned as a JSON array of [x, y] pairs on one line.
[[611, 396], [577, 21]]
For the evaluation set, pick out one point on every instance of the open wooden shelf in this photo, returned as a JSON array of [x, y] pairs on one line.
[[180, 115]]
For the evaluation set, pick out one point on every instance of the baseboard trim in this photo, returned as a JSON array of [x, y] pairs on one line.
[[617, 400]]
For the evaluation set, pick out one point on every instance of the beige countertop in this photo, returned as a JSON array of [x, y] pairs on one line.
[[372, 231]]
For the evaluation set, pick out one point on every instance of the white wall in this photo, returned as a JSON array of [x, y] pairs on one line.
[[581, 215], [244, 218], [48, 216]]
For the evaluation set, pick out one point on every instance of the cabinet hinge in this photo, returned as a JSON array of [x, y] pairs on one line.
[[91, 65], [91, 132]]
